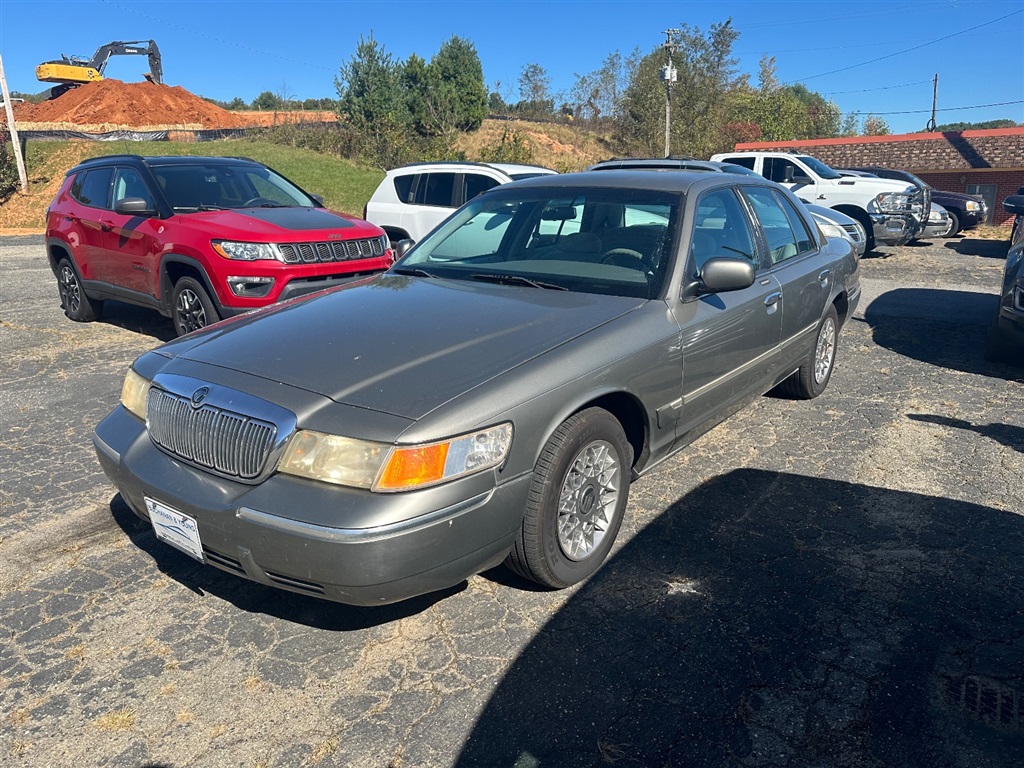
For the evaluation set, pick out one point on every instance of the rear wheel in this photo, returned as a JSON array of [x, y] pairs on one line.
[[76, 305], [576, 501], [815, 371], [191, 307]]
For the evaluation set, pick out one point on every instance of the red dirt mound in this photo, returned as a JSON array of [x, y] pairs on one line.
[[133, 105]]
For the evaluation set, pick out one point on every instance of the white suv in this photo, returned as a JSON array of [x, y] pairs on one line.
[[413, 199]]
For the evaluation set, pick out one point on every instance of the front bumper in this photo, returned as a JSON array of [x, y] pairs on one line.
[[275, 532], [894, 228], [299, 286]]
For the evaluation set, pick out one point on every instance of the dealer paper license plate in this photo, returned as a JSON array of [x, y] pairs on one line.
[[177, 529]]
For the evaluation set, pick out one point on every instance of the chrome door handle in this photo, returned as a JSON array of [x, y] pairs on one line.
[[824, 276], [772, 299]]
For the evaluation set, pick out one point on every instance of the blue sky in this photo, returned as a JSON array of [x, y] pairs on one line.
[[866, 56]]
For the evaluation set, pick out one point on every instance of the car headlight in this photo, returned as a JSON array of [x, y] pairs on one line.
[[230, 249], [134, 392], [831, 230], [973, 205], [381, 467], [892, 201]]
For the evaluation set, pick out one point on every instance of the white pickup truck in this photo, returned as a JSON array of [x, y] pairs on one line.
[[892, 212]]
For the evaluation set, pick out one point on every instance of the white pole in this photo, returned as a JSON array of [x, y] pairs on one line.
[[22, 176]]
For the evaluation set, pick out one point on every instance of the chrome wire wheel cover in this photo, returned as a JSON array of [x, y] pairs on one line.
[[588, 499], [191, 314], [825, 351], [70, 291]]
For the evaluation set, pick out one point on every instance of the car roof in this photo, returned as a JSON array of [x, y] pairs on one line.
[[507, 168], [512, 168], [684, 181], [165, 160]]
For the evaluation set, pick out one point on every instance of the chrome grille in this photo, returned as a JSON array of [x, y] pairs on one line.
[[853, 231], [230, 443], [334, 250]]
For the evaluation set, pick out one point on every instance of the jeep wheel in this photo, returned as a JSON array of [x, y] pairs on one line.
[[73, 300], [191, 307]]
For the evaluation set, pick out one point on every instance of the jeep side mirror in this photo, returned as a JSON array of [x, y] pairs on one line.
[[133, 206]]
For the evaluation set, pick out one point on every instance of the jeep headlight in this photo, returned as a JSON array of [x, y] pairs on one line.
[[231, 249], [892, 202], [381, 467], [134, 392]]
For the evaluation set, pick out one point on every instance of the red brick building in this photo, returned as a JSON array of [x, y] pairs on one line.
[[989, 163]]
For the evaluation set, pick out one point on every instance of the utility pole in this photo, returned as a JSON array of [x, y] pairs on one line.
[[935, 99], [669, 75], [22, 176]]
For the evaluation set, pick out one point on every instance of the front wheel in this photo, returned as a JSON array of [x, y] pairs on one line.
[[73, 300], [576, 501], [815, 371], [191, 307], [954, 225]]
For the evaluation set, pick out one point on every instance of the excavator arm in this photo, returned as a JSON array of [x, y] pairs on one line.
[[70, 71]]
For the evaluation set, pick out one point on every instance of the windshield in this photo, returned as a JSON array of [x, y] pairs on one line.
[[212, 186], [608, 241], [819, 167]]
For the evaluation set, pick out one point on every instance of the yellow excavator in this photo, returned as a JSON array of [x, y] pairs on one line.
[[73, 71]]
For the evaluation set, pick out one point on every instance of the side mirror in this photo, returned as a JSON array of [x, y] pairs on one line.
[[318, 199], [1014, 204], [402, 247], [725, 274], [133, 206]]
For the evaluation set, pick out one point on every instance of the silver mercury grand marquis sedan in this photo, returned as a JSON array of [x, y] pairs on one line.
[[490, 397]]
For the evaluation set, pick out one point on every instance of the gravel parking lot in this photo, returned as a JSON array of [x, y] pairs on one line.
[[837, 582]]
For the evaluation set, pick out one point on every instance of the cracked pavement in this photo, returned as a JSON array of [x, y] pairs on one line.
[[837, 582]]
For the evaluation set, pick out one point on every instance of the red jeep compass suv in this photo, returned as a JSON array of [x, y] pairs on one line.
[[198, 238]]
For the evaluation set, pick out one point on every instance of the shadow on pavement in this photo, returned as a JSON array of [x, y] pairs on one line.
[[942, 327], [256, 598], [774, 619], [138, 319], [1009, 435], [971, 246]]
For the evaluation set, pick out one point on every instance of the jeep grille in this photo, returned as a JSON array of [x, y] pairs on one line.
[[229, 443], [333, 250]]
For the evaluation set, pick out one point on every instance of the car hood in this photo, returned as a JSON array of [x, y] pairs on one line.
[[278, 224], [942, 194], [400, 345]]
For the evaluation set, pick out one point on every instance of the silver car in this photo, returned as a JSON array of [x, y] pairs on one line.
[[492, 396]]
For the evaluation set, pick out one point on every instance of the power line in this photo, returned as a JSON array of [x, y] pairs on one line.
[[908, 50], [872, 90], [946, 109]]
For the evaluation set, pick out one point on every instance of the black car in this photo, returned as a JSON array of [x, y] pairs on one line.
[[1006, 337], [965, 211]]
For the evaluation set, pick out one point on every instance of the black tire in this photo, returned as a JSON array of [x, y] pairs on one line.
[[568, 530], [997, 350], [954, 225], [815, 371], [191, 307], [76, 304]]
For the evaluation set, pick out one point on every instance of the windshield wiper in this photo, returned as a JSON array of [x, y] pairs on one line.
[[517, 280], [413, 271]]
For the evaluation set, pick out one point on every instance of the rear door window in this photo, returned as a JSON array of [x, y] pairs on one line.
[[436, 189], [94, 189]]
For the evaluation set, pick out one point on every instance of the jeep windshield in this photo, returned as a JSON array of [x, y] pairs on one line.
[[819, 167], [212, 187], [606, 241]]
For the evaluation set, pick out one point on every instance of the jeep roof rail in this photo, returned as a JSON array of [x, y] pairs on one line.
[[442, 162], [109, 158]]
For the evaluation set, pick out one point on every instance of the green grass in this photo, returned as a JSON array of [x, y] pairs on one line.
[[344, 186]]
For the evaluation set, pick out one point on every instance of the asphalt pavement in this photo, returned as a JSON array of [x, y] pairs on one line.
[[837, 582]]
